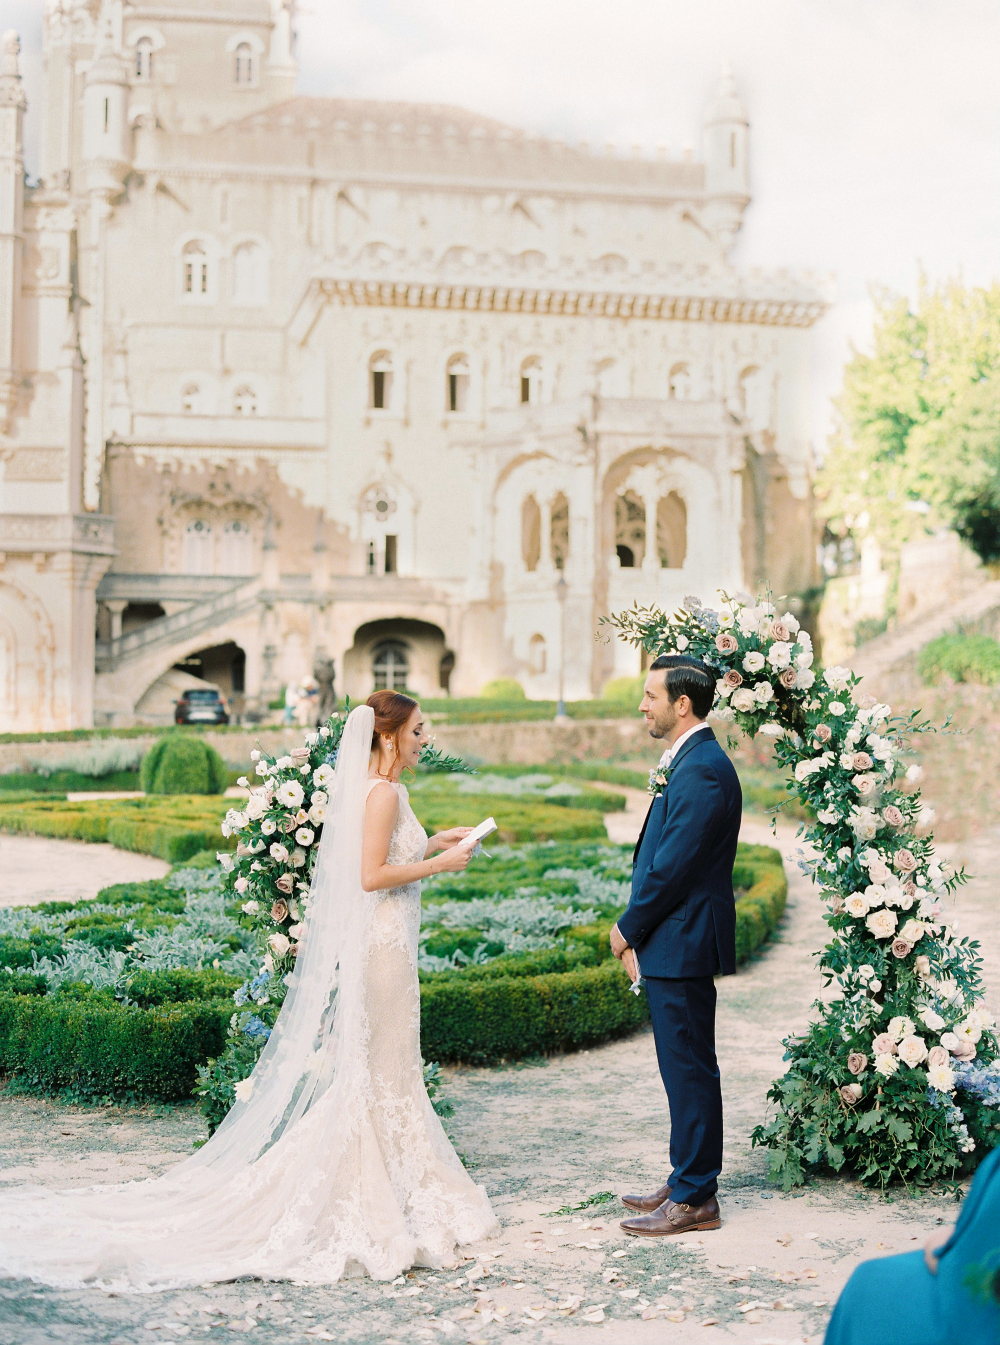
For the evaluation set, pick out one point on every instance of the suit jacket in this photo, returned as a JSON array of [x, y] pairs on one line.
[[681, 917]]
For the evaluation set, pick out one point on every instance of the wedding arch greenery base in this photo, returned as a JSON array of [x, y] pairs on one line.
[[897, 1078]]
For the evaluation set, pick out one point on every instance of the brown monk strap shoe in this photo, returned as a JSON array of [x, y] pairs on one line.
[[673, 1218], [648, 1203]]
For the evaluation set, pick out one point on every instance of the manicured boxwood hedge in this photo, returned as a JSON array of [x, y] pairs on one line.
[[172, 828], [86, 1045]]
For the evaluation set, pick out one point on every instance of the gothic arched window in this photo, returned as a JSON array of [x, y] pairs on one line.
[[630, 530], [144, 59], [198, 557], [559, 531], [679, 383], [237, 548], [245, 401], [537, 654], [244, 64], [458, 384], [671, 531], [531, 533], [380, 381], [194, 270], [189, 398], [391, 665], [531, 381]]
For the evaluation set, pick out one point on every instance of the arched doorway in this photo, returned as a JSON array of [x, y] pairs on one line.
[[399, 653]]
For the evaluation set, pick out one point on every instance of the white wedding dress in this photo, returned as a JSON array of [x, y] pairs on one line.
[[336, 1164]]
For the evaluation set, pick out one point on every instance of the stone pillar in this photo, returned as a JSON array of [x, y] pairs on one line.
[[12, 106], [651, 554], [116, 607]]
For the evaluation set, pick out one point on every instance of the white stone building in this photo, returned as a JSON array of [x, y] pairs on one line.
[[391, 382]]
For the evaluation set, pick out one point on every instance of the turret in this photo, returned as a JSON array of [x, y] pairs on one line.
[[727, 179], [12, 105], [280, 57], [106, 135]]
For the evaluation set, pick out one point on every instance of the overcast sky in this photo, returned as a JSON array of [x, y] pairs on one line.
[[875, 124]]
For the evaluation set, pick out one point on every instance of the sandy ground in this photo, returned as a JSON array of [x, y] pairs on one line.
[[35, 868], [540, 1136]]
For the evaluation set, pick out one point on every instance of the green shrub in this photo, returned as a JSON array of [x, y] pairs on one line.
[[960, 658], [516, 820], [173, 829], [183, 764], [624, 691], [503, 689], [94, 1050]]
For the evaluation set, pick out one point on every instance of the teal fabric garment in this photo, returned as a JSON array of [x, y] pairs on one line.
[[897, 1298]]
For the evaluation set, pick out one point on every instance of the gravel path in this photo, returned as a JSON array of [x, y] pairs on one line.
[[540, 1135], [35, 868]]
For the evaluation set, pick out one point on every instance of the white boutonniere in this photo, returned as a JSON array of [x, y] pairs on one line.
[[658, 778]]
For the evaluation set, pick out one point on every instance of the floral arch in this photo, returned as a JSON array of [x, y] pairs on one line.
[[898, 1075]]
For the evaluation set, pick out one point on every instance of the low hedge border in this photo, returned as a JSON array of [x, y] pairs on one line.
[[144, 826], [84, 1045]]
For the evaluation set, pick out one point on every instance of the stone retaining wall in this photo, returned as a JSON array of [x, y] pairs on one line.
[[499, 744]]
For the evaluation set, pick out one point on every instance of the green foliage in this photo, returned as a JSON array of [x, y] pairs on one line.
[[516, 820], [489, 710], [960, 658], [183, 764], [65, 782], [625, 691], [503, 689], [918, 446], [174, 829]]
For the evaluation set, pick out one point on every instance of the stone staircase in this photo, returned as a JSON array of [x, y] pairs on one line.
[[202, 615], [874, 659]]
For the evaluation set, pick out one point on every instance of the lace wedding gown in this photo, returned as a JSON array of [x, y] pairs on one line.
[[336, 1164]]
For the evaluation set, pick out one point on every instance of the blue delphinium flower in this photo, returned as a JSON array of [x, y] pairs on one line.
[[255, 1028]]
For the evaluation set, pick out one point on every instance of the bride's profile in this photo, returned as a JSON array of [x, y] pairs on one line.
[[333, 1162]]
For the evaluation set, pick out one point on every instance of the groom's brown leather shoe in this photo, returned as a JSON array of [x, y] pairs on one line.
[[648, 1203], [673, 1218]]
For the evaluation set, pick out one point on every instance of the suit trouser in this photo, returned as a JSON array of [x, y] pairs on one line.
[[683, 1014]]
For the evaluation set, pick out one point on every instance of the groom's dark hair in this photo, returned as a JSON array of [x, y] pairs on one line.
[[687, 676]]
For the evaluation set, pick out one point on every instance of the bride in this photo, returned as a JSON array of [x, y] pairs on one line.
[[334, 1162]]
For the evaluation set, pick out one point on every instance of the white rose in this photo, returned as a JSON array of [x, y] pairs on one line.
[[317, 814], [323, 776], [828, 817], [681, 643], [913, 931], [912, 1051], [283, 763], [942, 1078], [296, 930], [886, 1065], [804, 660], [753, 662], [241, 885], [882, 923], [865, 784], [250, 907], [805, 679], [290, 794], [931, 1019], [743, 699], [780, 654], [914, 774], [949, 1040], [278, 944], [837, 708], [298, 857], [304, 836], [804, 769], [279, 852], [856, 905], [763, 692]]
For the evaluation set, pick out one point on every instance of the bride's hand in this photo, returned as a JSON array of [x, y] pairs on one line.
[[443, 840], [452, 860]]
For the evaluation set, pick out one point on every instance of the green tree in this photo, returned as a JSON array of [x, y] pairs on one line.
[[917, 445]]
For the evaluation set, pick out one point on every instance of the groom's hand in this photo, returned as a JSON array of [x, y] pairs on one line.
[[630, 964], [618, 943]]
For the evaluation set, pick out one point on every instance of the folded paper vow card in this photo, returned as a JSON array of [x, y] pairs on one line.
[[479, 833]]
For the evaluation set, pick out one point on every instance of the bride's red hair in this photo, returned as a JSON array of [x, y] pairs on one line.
[[392, 711]]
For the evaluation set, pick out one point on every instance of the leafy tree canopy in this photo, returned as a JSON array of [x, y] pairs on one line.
[[917, 446]]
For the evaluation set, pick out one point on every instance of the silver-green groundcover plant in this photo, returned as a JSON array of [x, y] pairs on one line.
[[898, 1077]]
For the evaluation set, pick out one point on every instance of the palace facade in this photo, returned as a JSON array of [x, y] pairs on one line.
[[390, 385]]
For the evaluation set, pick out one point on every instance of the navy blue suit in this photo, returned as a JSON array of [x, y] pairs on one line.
[[681, 921]]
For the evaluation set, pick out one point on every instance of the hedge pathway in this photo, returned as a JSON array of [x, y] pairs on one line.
[[540, 1135], [38, 868]]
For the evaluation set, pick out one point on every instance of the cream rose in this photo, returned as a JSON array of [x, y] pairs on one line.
[[884, 1044], [822, 733], [882, 923], [279, 944], [856, 905], [964, 1050], [878, 871], [743, 699], [893, 816], [936, 1056], [912, 1050], [851, 1093], [866, 785]]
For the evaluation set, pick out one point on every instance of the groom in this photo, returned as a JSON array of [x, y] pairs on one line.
[[679, 932]]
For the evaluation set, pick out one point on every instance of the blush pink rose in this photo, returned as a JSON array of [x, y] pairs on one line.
[[289, 824], [857, 1062], [788, 677], [779, 631], [892, 815], [866, 702], [900, 948], [862, 761], [904, 861], [286, 884], [732, 678], [877, 871], [936, 1057], [823, 733], [965, 1050], [851, 1093], [279, 911], [726, 643], [910, 888], [884, 1044]]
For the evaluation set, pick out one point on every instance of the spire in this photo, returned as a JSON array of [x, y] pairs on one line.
[[11, 91], [726, 106]]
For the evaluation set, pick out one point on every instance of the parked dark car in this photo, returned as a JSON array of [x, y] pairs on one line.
[[197, 706]]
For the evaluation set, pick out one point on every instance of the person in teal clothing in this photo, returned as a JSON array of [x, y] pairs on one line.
[[924, 1298]]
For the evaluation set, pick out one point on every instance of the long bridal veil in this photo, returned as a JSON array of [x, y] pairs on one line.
[[295, 1182]]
